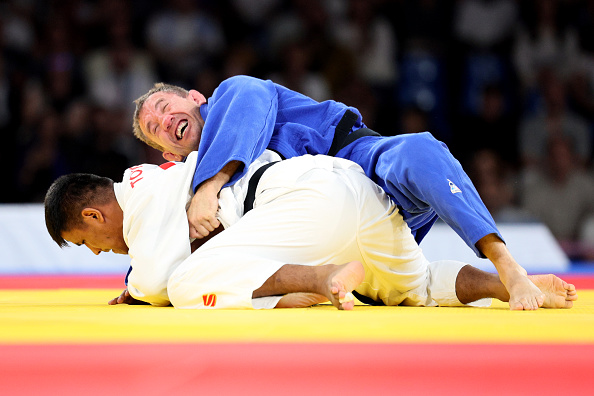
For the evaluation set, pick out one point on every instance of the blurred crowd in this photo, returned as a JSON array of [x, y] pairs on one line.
[[508, 85]]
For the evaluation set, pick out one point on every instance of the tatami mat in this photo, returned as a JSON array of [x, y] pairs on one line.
[[82, 316], [67, 341]]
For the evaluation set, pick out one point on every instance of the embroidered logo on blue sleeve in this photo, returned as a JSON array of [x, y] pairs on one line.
[[453, 188]]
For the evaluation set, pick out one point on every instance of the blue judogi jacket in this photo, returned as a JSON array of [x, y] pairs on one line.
[[246, 115]]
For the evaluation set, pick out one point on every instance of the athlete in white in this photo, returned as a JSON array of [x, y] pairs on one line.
[[310, 210]]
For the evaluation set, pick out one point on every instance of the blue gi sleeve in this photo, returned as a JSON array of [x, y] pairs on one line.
[[423, 176], [239, 121]]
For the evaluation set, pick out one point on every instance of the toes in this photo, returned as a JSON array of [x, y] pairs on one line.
[[525, 305], [540, 300], [347, 301]]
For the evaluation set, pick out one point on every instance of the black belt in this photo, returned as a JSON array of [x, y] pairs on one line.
[[343, 136], [248, 203]]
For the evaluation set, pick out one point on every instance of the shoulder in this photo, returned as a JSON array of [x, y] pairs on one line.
[[242, 82], [136, 175]]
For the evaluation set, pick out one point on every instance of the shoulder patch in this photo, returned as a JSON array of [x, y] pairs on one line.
[[453, 188]]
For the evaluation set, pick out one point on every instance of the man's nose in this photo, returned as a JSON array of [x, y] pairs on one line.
[[166, 122]]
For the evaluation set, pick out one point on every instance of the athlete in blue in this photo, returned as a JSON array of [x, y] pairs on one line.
[[246, 115]]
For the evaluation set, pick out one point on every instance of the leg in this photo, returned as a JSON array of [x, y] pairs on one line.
[[334, 282], [473, 284], [305, 225]]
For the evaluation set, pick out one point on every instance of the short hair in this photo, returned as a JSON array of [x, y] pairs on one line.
[[158, 87], [68, 196]]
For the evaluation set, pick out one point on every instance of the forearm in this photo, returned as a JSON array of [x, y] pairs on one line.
[[216, 183]]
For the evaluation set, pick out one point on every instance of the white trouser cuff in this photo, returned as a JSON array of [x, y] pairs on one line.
[[442, 284]]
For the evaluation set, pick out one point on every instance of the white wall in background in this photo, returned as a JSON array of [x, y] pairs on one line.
[[26, 248]]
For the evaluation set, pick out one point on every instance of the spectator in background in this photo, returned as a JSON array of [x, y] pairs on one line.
[[543, 40], [370, 38], [118, 71], [42, 161], [554, 120], [295, 72], [61, 69], [560, 192], [494, 181], [485, 24], [115, 74], [241, 58], [413, 120], [484, 31], [494, 128], [108, 157], [184, 38], [581, 81], [423, 30]]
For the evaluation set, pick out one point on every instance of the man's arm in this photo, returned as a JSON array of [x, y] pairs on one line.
[[239, 122], [523, 294], [205, 203]]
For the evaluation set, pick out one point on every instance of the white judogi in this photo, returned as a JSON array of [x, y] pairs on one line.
[[156, 230], [310, 210]]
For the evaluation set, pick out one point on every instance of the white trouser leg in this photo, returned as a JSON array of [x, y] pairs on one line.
[[313, 222], [442, 284]]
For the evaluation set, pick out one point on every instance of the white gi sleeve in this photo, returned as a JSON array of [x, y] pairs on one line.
[[155, 225]]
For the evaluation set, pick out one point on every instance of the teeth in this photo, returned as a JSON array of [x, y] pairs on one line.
[[181, 129]]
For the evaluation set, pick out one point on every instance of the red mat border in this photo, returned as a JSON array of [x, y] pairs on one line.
[[297, 369], [62, 282]]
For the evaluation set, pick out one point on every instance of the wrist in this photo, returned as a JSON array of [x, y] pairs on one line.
[[221, 178]]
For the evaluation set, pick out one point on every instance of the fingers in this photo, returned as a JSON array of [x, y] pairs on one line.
[[201, 229], [122, 299]]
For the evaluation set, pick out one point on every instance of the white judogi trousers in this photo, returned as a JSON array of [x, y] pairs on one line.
[[314, 211]]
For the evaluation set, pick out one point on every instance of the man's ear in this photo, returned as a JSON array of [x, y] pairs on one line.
[[92, 215], [172, 157], [197, 97]]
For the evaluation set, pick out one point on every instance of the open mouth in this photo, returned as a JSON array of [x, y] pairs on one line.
[[181, 129]]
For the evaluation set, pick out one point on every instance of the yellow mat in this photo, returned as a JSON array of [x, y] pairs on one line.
[[83, 316]]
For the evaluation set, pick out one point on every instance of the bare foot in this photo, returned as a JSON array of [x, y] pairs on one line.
[[300, 300], [558, 293], [342, 281]]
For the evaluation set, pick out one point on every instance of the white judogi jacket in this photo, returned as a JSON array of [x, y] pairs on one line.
[[154, 200]]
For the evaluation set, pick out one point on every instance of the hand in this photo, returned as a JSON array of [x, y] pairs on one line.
[[126, 298], [202, 212], [205, 203]]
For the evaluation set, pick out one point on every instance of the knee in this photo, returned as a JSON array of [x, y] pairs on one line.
[[178, 293]]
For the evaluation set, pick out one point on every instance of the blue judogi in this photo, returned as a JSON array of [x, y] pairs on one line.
[[246, 115]]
